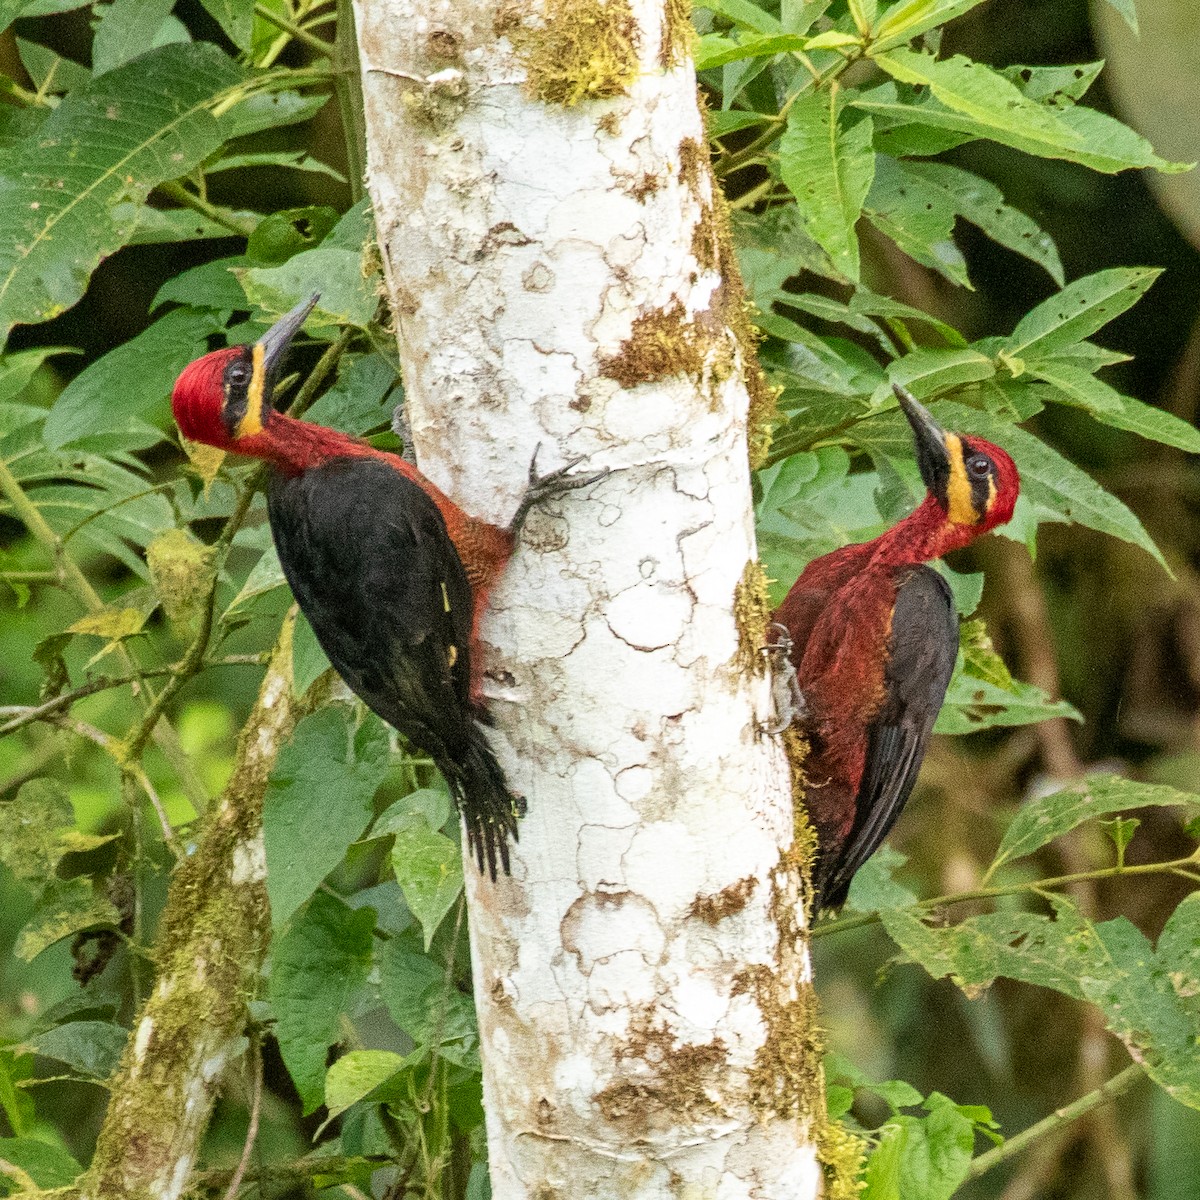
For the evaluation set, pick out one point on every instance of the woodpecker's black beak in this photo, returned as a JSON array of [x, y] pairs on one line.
[[933, 456], [278, 338]]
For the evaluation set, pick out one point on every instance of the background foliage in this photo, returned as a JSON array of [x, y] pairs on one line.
[[174, 175]]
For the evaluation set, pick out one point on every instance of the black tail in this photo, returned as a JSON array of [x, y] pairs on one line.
[[490, 811]]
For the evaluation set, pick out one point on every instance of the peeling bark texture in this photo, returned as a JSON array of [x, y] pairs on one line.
[[556, 258], [215, 930]]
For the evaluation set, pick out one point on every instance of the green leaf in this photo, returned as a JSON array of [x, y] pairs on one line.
[[429, 870], [744, 13], [89, 1047], [319, 801], [156, 226], [212, 285], [1126, 10], [917, 216], [715, 51], [49, 71], [127, 29], [828, 167], [362, 396], [882, 1174], [293, 160], [235, 17], [973, 704], [315, 968], [111, 141], [132, 384], [975, 99], [1078, 311], [268, 110], [424, 1002], [113, 623], [937, 1151], [346, 297], [982, 203], [1040, 821], [266, 576], [1058, 85], [907, 19], [31, 830], [360, 1075], [285, 233], [65, 909], [874, 888], [47, 1165], [1074, 384], [1120, 831], [928, 372]]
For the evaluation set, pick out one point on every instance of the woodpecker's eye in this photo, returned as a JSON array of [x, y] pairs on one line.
[[238, 373], [979, 466]]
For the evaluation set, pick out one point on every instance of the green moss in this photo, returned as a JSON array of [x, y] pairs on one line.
[[752, 614], [583, 50], [843, 1155]]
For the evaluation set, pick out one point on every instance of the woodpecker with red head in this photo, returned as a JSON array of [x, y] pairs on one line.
[[872, 635], [391, 574]]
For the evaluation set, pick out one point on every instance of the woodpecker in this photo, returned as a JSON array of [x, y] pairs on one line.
[[391, 574], [872, 635]]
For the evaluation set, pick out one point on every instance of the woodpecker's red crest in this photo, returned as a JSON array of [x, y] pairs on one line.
[[224, 399]]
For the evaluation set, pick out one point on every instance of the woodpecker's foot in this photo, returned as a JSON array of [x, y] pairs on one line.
[[403, 430], [551, 484], [786, 696]]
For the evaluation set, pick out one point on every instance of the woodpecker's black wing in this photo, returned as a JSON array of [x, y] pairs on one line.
[[921, 652], [372, 567]]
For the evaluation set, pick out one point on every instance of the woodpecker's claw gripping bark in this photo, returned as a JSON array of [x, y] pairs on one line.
[[551, 484], [786, 696]]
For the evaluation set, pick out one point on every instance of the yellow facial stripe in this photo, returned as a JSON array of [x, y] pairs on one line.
[[991, 493], [958, 489], [446, 600], [452, 655], [252, 422]]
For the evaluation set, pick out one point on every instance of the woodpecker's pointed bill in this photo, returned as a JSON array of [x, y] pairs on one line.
[[930, 441], [278, 338]]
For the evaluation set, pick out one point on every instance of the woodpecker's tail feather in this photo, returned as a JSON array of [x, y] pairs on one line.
[[490, 811]]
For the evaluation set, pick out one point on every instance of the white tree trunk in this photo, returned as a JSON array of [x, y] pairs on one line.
[[643, 993]]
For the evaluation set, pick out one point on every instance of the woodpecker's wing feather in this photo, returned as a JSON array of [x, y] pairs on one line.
[[369, 560], [921, 652]]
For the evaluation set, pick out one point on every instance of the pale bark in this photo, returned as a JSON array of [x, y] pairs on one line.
[[642, 989]]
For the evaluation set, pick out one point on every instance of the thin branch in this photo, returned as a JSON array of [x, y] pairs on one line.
[[242, 226], [1118, 1085], [255, 1109], [1041, 885], [292, 29]]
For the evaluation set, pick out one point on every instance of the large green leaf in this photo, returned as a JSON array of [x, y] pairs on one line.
[[1076, 133], [1041, 820], [1078, 311], [111, 141], [236, 18], [426, 1004], [360, 1075], [319, 801], [908, 18], [315, 969], [48, 1165], [127, 29], [429, 870], [918, 216], [131, 385], [89, 1047], [1147, 997], [1076, 385], [828, 165]]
